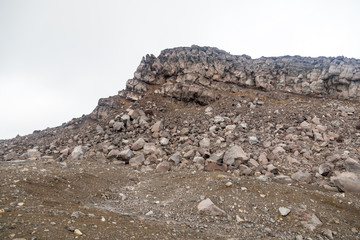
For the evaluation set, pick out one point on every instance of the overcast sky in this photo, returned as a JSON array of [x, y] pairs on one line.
[[58, 57]]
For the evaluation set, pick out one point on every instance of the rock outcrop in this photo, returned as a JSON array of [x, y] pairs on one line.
[[198, 73]]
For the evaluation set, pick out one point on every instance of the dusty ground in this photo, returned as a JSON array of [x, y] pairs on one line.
[[111, 201]]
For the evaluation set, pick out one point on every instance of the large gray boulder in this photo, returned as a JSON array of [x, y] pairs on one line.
[[347, 182], [125, 155]]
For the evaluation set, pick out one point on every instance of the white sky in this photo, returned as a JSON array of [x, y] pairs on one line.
[[58, 57]]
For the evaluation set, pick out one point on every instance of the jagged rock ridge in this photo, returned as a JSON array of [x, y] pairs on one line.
[[193, 73]]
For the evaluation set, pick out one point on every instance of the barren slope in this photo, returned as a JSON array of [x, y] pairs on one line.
[[139, 169]]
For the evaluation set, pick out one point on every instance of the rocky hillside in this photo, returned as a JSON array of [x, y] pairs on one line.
[[291, 121]]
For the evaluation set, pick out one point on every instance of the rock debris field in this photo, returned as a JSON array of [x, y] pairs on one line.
[[184, 153]]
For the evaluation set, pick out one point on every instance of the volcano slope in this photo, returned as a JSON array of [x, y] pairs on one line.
[[200, 145]]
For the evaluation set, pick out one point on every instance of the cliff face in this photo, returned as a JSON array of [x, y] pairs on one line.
[[193, 73]]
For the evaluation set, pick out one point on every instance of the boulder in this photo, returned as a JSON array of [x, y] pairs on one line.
[[244, 170], [159, 125], [33, 154], [199, 160], [325, 169], [253, 140], [118, 126], [164, 141], [302, 176], [176, 157], [217, 157], [347, 182], [138, 144], [352, 165], [234, 153], [77, 153], [311, 221], [125, 155], [207, 207], [113, 154], [149, 148], [219, 119], [11, 156], [99, 129], [205, 143], [137, 161], [163, 167]]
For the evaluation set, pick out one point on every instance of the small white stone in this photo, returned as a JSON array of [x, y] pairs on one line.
[[228, 184], [239, 219], [149, 213], [164, 141], [284, 211], [253, 139], [78, 232]]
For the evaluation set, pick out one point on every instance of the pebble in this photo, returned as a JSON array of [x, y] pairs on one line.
[[164, 141], [228, 184], [253, 139], [284, 211], [243, 125], [299, 237], [78, 232], [239, 219], [328, 233], [149, 213]]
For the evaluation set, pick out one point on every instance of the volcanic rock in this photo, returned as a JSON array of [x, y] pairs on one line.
[[207, 207], [233, 154]]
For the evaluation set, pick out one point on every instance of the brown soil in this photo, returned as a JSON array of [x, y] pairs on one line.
[[57, 201]]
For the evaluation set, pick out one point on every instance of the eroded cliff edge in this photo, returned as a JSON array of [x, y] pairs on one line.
[[197, 73]]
